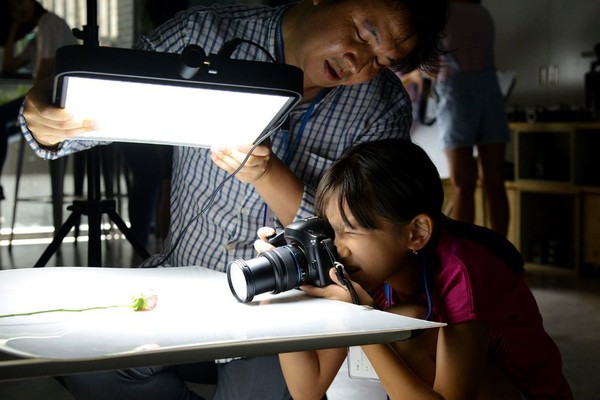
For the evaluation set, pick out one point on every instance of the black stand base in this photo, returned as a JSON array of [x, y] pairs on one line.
[[93, 207]]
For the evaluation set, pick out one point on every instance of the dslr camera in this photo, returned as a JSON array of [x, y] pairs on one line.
[[304, 255]]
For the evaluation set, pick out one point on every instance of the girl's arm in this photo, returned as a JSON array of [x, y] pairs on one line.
[[397, 378], [420, 368], [461, 358], [447, 363], [308, 374]]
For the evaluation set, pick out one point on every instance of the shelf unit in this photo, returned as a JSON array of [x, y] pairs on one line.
[[556, 213]]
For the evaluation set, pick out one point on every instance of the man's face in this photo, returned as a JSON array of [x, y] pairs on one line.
[[348, 42]]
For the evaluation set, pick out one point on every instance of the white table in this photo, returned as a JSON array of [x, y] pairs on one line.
[[196, 319]]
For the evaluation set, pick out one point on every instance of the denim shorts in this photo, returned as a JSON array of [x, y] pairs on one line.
[[471, 111]]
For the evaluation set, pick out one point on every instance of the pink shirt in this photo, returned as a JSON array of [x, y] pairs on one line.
[[473, 284]]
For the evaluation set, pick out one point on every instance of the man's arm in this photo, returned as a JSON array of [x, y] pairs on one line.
[[50, 125], [272, 179]]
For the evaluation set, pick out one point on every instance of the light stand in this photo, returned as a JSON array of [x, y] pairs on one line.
[[94, 207], [187, 99]]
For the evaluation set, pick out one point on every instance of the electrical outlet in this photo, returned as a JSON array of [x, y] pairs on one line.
[[359, 366]]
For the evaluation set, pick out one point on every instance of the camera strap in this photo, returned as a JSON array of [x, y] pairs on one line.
[[343, 277], [340, 272]]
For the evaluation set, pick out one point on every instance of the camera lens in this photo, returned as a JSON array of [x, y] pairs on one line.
[[274, 271]]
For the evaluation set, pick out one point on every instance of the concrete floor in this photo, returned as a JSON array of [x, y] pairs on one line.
[[569, 303]]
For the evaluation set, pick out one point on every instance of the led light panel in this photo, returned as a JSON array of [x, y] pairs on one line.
[[140, 96]]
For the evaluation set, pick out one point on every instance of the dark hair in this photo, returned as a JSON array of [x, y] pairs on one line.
[[426, 22], [39, 9], [396, 180], [393, 178]]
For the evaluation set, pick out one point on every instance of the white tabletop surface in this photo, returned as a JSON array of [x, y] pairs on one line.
[[196, 319]]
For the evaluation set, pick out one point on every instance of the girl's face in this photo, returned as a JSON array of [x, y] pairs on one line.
[[347, 42], [370, 257]]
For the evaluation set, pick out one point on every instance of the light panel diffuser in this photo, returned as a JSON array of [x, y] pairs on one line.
[[141, 96]]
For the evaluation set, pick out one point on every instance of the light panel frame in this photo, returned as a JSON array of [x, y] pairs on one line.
[[147, 97]]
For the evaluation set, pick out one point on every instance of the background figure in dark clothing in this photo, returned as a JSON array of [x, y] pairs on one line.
[[38, 55]]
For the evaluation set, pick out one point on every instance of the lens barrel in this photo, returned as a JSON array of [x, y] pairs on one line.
[[276, 271]]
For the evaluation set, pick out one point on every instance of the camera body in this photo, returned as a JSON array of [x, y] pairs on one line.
[[304, 255]]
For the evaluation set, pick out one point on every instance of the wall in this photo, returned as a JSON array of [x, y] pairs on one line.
[[543, 41]]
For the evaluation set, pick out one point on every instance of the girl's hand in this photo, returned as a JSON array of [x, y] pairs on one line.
[[338, 291], [256, 167]]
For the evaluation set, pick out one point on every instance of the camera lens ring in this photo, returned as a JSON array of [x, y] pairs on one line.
[[236, 271], [282, 271], [278, 262], [275, 271]]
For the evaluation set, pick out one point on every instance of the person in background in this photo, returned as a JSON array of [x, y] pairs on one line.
[[413, 83], [347, 50], [471, 114], [383, 200], [418, 86], [51, 32]]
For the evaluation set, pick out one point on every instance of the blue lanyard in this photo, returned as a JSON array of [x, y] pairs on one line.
[[389, 294], [288, 152], [279, 34], [288, 149]]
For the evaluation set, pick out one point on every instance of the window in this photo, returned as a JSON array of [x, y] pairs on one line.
[[115, 18]]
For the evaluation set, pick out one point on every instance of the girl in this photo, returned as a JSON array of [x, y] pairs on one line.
[[402, 255]]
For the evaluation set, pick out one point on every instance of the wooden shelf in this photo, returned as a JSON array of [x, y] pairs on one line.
[[553, 126], [549, 269], [556, 214]]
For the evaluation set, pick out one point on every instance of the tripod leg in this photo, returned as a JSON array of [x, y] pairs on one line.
[[140, 250], [58, 238], [57, 177], [78, 178], [17, 182]]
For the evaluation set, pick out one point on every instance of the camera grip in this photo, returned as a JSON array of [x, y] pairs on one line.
[[277, 239]]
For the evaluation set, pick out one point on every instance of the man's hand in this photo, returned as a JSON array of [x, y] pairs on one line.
[[48, 123], [256, 167]]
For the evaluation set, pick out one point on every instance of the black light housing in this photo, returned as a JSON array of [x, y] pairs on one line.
[[184, 99]]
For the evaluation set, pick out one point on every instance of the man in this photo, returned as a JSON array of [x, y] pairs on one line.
[[345, 48]]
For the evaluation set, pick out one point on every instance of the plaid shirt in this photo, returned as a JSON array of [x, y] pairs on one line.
[[347, 115]]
